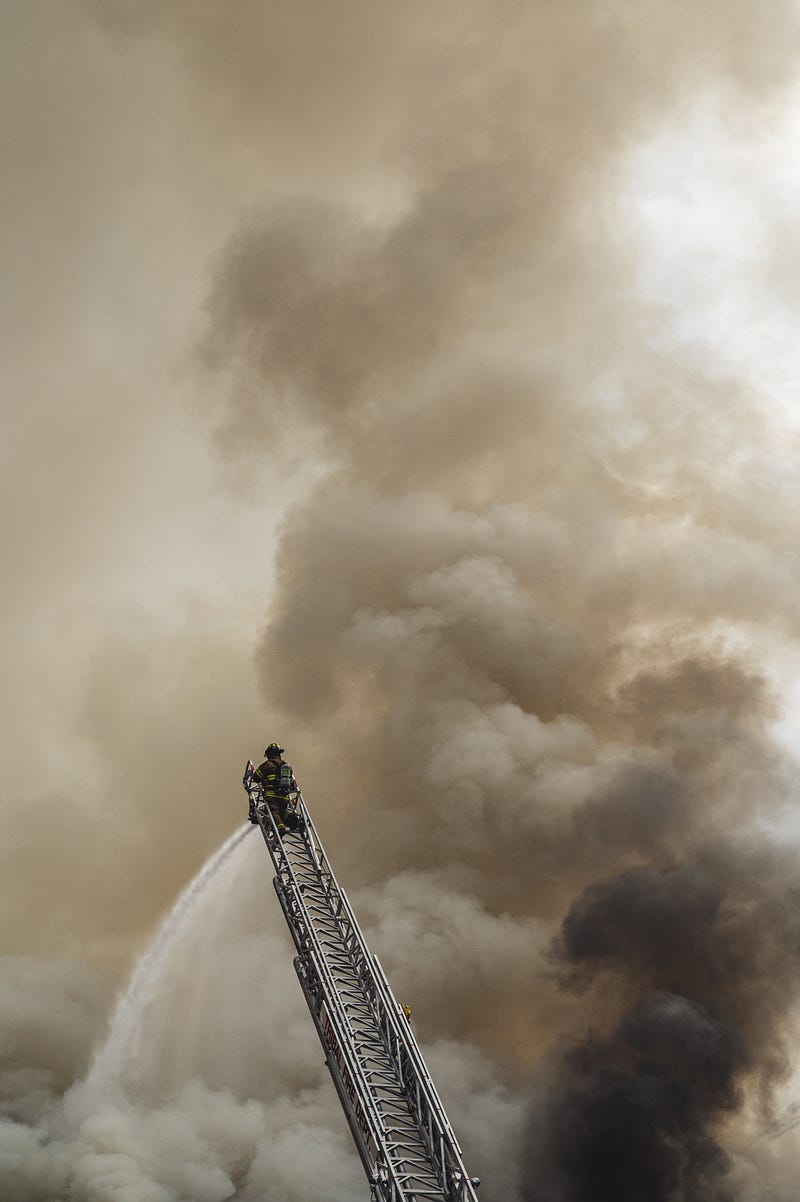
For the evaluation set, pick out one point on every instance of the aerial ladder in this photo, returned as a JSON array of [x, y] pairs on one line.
[[402, 1134]]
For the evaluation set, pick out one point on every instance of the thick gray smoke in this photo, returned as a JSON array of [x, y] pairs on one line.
[[534, 600], [514, 622]]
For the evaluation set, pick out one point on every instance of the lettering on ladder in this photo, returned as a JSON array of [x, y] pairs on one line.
[[345, 1076]]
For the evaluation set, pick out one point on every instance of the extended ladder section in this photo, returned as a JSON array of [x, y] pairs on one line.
[[401, 1131]]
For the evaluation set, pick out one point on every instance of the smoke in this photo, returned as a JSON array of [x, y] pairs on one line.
[[248, 1114], [486, 291], [632, 1112], [703, 957], [517, 622]]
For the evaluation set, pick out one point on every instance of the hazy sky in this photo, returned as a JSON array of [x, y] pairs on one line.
[[415, 384]]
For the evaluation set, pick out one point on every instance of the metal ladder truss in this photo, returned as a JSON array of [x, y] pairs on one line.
[[397, 1120]]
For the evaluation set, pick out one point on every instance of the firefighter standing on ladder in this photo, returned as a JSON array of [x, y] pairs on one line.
[[277, 780]]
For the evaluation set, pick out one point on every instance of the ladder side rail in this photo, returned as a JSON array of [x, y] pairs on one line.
[[412, 1075], [359, 1105], [305, 937], [357, 953], [402, 1031], [316, 999], [402, 1045], [413, 1071], [380, 1173], [432, 1120], [426, 1112], [382, 990], [303, 930], [341, 910], [441, 1138], [343, 1059]]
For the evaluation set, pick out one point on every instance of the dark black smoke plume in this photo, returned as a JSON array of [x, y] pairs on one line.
[[705, 955]]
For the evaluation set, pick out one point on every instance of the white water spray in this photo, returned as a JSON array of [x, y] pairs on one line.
[[127, 1032]]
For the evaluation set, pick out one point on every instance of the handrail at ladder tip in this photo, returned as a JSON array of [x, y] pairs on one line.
[[452, 1165]]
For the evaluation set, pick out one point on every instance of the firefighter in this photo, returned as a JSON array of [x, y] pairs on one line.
[[277, 779]]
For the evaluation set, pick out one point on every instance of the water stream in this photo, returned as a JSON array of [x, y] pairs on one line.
[[127, 1034]]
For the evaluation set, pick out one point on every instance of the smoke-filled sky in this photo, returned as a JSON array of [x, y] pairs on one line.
[[417, 385]]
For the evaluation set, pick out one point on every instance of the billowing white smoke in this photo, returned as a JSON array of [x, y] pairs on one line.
[[211, 1084], [206, 1091]]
